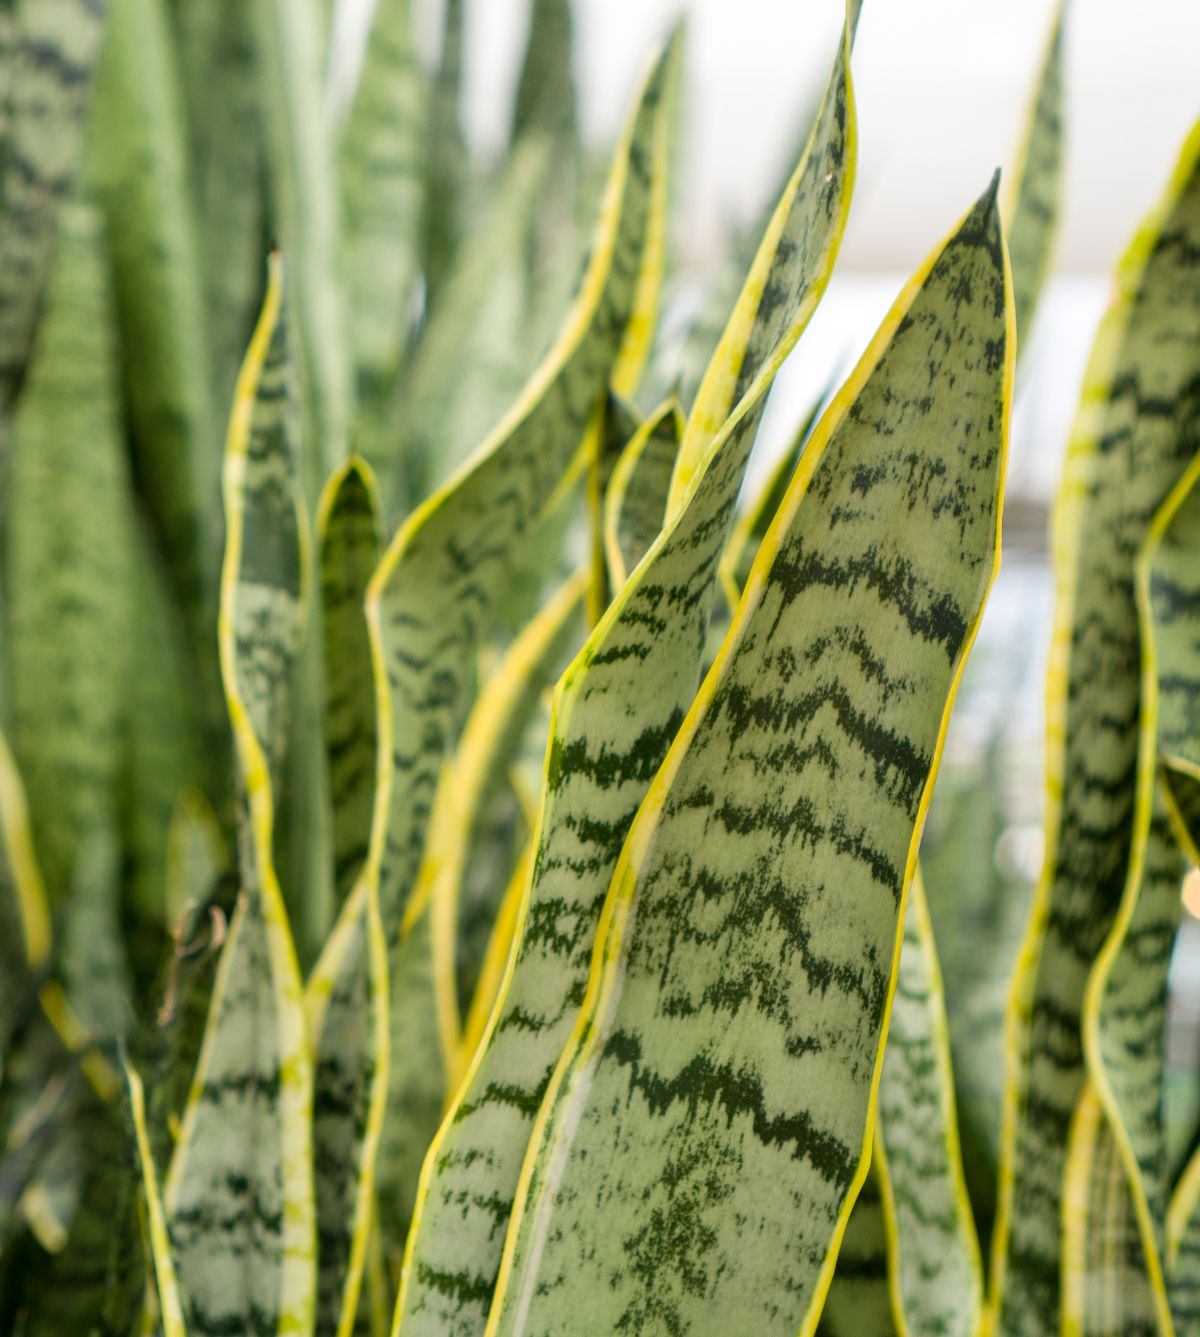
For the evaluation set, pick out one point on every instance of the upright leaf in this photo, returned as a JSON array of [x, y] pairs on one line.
[[645, 653], [383, 169], [350, 539], [635, 502], [708, 1125], [1033, 208], [1125, 454], [239, 1194], [859, 1303], [937, 1276], [68, 568], [48, 79], [446, 167]]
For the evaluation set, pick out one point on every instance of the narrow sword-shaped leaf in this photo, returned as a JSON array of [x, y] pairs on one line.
[[48, 79], [616, 425], [1032, 210], [1125, 454], [797, 249], [382, 157], [70, 512], [170, 1304], [936, 1271], [1124, 1019], [486, 751], [239, 1193], [447, 166], [646, 652], [138, 161], [713, 1105], [301, 185], [426, 604], [635, 503], [1183, 1248], [350, 541]]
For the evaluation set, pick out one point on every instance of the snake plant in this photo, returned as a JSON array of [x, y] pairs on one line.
[[458, 857]]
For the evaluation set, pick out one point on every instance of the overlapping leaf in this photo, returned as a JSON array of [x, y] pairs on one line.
[[1124, 457], [713, 1104], [615, 713]]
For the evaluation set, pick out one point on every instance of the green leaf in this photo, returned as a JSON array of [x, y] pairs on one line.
[[617, 426], [635, 501], [797, 251], [487, 750], [447, 169], [239, 1193], [937, 1272], [48, 78], [349, 535], [1107, 1289], [1126, 452], [68, 571], [304, 210], [218, 65], [1033, 208], [383, 170], [859, 1303], [645, 654], [139, 166], [170, 1304], [1183, 1247], [545, 100], [755, 520], [707, 1127]]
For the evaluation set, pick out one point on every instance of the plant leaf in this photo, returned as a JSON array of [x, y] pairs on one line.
[[447, 165], [48, 77], [937, 1272], [304, 207], [68, 572], [170, 1305], [349, 534], [1033, 208], [239, 1193], [644, 652], [383, 179], [713, 1104], [1125, 454], [797, 251], [635, 501]]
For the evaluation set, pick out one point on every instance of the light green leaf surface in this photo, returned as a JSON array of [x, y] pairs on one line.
[[937, 1275], [239, 1194], [713, 1105], [350, 540], [304, 209], [68, 569], [1125, 454], [427, 605], [48, 79], [645, 655], [383, 177], [138, 162], [635, 501], [1032, 210]]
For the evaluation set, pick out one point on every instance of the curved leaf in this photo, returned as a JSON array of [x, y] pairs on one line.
[[713, 1105], [635, 501], [239, 1193], [1125, 454]]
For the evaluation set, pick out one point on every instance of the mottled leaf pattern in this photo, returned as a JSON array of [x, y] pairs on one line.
[[350, 541], [1125, 455], [1032, 210], [239, 1194], [635, 501], [68, 573], [615, 712], [938, 1277], [48, 77], [713, 1105]]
